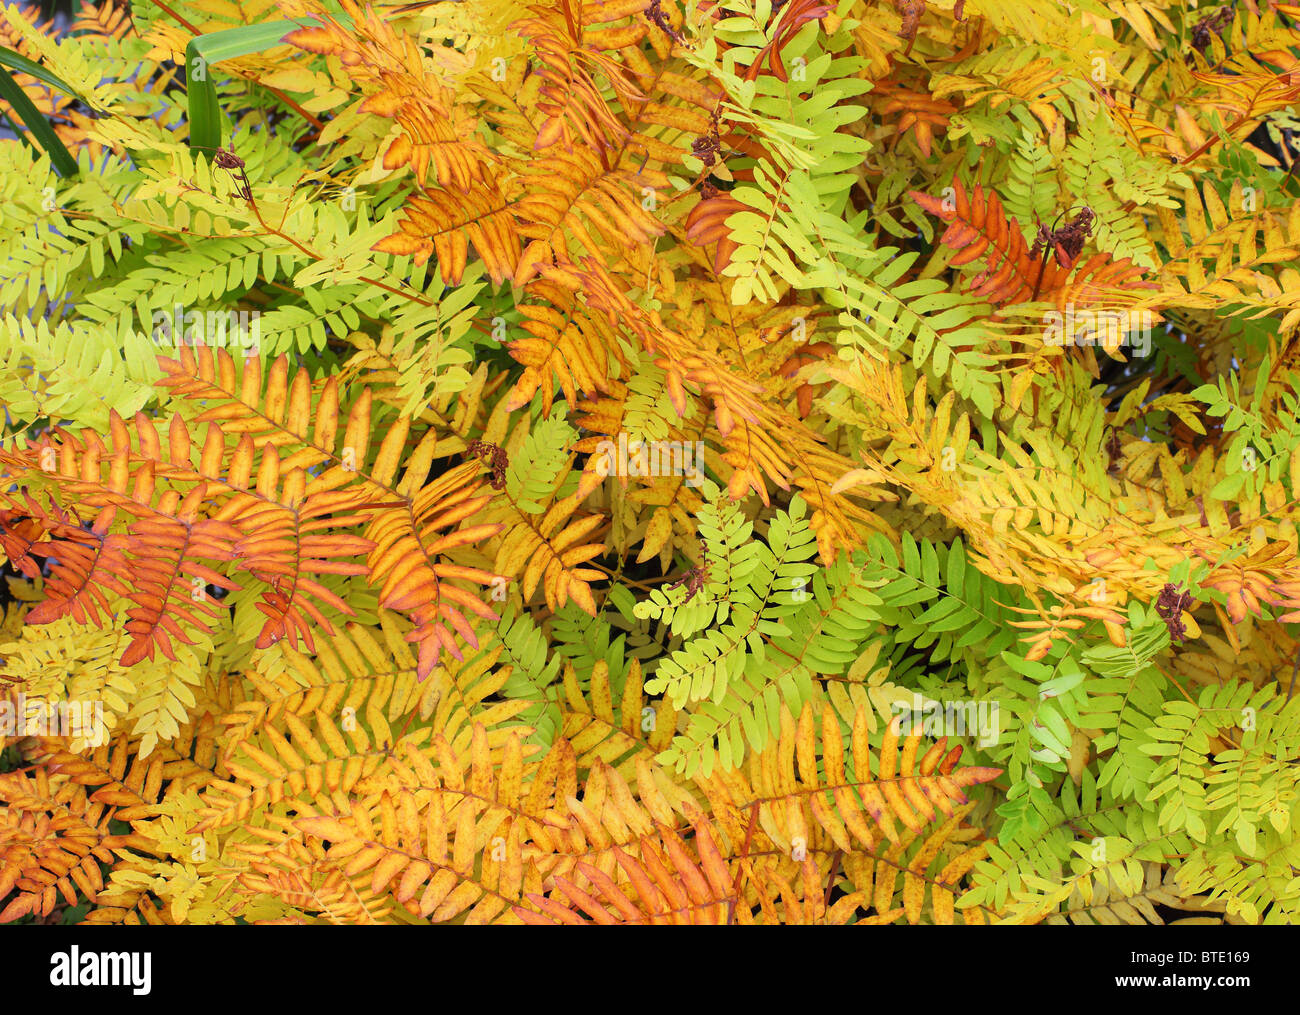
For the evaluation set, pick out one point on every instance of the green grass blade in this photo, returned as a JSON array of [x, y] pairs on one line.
[[41, 130], [206, 50], [20, 63]]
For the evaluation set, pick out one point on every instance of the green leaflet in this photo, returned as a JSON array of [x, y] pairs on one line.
[[534, 469], [71, 374]]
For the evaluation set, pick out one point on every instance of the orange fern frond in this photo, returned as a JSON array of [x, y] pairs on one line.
[[447, 223], [433, 133], [665, 884], [409, 540], [55, 829], [571, 197], [569, 55], [979, 228], [565, 344]]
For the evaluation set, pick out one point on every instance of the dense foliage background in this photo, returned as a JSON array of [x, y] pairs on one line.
[[741, 461]]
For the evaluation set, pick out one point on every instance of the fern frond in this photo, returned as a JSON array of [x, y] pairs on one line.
[[55, 828]]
